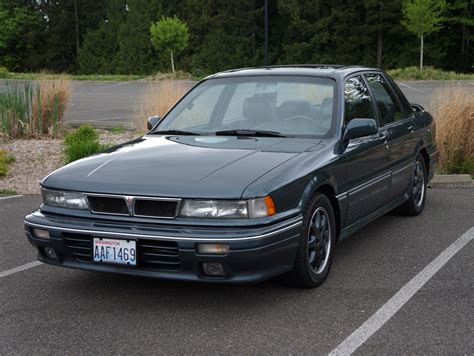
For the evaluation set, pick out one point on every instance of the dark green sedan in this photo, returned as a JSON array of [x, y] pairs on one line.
[[254, 173]]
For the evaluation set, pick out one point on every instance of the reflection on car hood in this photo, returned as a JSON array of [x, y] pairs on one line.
[[179, 166]]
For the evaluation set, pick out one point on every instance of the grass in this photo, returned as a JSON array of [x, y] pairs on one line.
[[34, 110], [82, 142], [158, 100], [454, 117], [178, 75], [54, 76], [5, 159], [117, 130], [428, 73], [7, 192]]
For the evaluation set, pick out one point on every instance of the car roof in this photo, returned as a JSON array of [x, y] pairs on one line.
[[317, 70]]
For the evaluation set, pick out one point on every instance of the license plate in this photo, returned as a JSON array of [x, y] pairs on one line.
[[122, 252]]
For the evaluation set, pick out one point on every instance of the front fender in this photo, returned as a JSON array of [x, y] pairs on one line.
[[292, 184]]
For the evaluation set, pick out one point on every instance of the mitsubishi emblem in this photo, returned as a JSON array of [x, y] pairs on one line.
[[129, 202]]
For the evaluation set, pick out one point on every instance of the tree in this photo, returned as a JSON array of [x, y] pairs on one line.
[[423, 17], [460, 21], [135, 52], [19, 32], [382, 17], [97, 53], [169, 34]]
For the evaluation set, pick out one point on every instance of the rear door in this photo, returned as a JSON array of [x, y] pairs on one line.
[[368, 172], [397, 120]]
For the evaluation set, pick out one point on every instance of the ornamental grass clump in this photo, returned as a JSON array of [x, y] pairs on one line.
[[82, 142], [50, 100], [454, 117], [159, 98], [34, 110]]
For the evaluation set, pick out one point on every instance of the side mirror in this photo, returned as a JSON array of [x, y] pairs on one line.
[[417, 107], [360, 128], [152, 121]]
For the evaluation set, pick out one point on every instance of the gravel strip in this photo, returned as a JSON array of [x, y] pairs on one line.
[[37, 158]]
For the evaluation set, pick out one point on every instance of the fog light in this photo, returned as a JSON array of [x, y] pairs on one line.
[[213, 269], [50, 253], [213, 249], [41, 234]]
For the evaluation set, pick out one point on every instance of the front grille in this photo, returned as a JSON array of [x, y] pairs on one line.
[[158, 254], [152, 254], [79, 245], [155, 208], [147, 207], [108, 205]]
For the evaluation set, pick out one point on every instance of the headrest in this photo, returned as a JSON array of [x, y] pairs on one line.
[[256, 107], [294, 107], [326, 106]]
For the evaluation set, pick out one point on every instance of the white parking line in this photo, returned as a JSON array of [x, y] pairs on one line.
[[24, 267], [381, 316], [109, 86], [409, 87], [10, 197], [96, 110]]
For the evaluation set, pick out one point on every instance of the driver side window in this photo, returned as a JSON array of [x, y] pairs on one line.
[[358, 103]]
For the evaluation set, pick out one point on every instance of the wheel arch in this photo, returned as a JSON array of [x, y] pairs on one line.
[[426, 157], [325, 185]]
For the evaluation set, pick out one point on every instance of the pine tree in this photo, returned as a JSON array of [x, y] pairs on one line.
[[135, 52]]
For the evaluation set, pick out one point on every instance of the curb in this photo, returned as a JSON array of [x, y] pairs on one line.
[[451, 181]]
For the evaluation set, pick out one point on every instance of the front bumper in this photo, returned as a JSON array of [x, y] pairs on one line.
[[255, 254]]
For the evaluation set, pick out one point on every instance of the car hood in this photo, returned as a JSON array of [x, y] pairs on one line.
[[179, 166]]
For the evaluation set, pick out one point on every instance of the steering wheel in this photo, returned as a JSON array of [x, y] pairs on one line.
[[305, 118]]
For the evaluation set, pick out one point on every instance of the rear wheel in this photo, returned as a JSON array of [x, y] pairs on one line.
[[415, 204], [316, 249]]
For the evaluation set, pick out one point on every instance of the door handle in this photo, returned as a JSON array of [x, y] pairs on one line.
[[384, 137], [410, 128]]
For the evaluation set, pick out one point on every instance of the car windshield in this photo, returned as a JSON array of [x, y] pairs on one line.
[[256, 105]]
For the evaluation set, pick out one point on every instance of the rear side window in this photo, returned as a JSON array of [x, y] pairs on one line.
[[357, 100], [385, 98], [406, 107]]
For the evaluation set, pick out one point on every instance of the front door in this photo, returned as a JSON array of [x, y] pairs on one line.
[[368, 163]]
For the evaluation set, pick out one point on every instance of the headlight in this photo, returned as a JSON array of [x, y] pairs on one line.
[[254, 208], [64, 199]]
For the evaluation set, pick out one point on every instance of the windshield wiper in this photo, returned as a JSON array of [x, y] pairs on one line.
[[245, 132], [174, 132]]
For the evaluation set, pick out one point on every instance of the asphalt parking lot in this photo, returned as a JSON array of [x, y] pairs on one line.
[[47, 309]]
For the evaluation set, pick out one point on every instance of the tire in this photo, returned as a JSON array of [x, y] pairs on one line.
[[316, 249], [415, 204]]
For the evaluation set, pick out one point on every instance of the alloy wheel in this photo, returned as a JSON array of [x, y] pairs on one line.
[[319, 240], [418, 184]]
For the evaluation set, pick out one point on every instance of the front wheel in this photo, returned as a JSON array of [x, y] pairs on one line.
[[316, 249]]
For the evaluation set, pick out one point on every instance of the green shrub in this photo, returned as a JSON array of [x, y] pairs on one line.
[[82, 142], [6, 192], [3, 72], [82, 133], [117, 130], [427, 73], [3, 169], [5, 160]]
